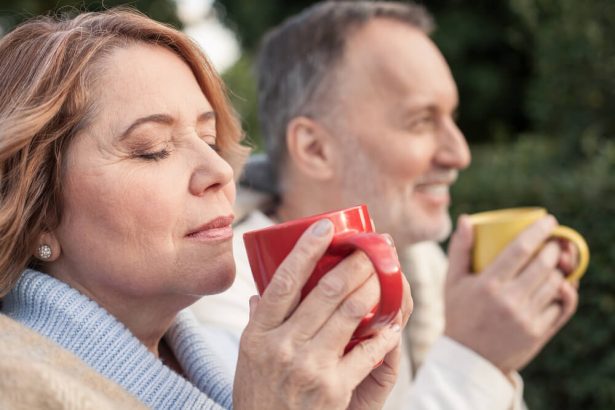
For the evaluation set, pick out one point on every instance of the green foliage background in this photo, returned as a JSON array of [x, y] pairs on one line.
[[13, 12], [537, 89]]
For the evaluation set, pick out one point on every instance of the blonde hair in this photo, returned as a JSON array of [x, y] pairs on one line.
[[47, 71]]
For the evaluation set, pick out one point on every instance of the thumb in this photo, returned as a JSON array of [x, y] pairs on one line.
[[459, 249], [253, 304]]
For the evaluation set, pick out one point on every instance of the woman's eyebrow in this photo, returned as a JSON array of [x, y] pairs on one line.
[[164, 119], [206, 117]]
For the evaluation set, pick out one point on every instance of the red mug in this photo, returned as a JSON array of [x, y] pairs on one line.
[[353, 230]]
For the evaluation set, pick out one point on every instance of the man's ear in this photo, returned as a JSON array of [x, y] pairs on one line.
[[310, 148], [47, 247]]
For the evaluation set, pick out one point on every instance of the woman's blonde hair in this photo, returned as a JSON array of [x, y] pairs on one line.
[[47, 74]]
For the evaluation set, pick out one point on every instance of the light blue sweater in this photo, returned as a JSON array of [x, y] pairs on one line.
[[75, 322]]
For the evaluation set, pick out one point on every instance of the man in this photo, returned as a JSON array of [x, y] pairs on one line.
[[357, 106]]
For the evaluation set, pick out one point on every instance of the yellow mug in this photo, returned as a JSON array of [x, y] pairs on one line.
[[494, 230]]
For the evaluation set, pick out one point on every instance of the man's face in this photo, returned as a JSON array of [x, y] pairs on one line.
[[399, 146]]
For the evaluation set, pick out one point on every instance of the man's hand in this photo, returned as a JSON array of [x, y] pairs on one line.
[[513, 308]]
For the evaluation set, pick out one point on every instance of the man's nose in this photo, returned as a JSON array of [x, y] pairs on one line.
[[453, 151]]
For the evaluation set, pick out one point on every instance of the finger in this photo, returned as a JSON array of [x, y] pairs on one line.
[[389, 368], [519, 252], [537, 271], [357, 364], [569, 258], [548, 292], [253, 304], [407, 303], [330, 292], [282, 294], [569, 301], [548, 319], [337, 331], [460, 248], [389, 240], [370, 393]]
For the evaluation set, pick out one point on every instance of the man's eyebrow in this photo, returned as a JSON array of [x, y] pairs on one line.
[[408, 110], [429, 107], [164, 119]]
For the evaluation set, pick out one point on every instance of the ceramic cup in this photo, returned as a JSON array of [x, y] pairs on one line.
[[494, 230], [353, 230]]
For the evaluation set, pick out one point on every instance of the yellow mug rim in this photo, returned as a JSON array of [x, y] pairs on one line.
[[504, 215]]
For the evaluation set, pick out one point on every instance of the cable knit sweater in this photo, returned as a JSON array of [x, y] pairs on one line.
[[78, 324]]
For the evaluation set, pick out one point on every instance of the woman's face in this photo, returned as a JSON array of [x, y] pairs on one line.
[[147, 199]]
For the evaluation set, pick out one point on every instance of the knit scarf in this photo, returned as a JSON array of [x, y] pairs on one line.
[[78, 324]]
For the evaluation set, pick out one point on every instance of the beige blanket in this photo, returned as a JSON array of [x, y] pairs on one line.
[[35, 373]]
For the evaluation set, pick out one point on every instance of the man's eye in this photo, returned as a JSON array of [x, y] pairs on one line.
[[422, 122], [153, 156]]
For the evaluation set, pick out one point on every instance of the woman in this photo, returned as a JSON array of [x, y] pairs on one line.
[[117, 150]]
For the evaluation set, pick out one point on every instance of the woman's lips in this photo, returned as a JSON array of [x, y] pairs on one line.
[[218, 228], [213, 233]]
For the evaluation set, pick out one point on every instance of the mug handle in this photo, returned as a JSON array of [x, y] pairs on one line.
[[573, 236], [384, 258]]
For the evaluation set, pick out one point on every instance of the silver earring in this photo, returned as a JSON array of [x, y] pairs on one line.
[[44, 252]]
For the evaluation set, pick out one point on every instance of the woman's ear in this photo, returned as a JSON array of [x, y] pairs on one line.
[[47, 247], [310, 148]]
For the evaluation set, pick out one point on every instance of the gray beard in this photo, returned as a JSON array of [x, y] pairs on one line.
[[362, 182]]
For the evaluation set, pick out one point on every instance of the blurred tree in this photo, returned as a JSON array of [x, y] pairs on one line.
[[572, 92], [13, 12], [251, 19], [242, 89], [486, 47]]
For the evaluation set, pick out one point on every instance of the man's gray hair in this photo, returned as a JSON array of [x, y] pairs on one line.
[[297, 61]]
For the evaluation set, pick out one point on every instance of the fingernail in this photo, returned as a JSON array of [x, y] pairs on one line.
[[322, 227], [395, 327]]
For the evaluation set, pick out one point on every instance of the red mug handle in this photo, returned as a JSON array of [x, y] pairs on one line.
[[383, 256]]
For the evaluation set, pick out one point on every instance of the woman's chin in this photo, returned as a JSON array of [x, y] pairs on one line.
[[219, 279], [227, 278]]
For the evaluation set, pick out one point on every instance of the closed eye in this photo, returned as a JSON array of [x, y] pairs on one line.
[[153, 156], [215, 147]]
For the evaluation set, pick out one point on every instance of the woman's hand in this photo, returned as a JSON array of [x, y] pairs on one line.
[[292, 354]]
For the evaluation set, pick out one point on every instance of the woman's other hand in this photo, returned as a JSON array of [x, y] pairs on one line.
[[292, 354]]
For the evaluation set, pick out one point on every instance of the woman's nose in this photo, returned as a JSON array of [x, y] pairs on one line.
[[211, 173]]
